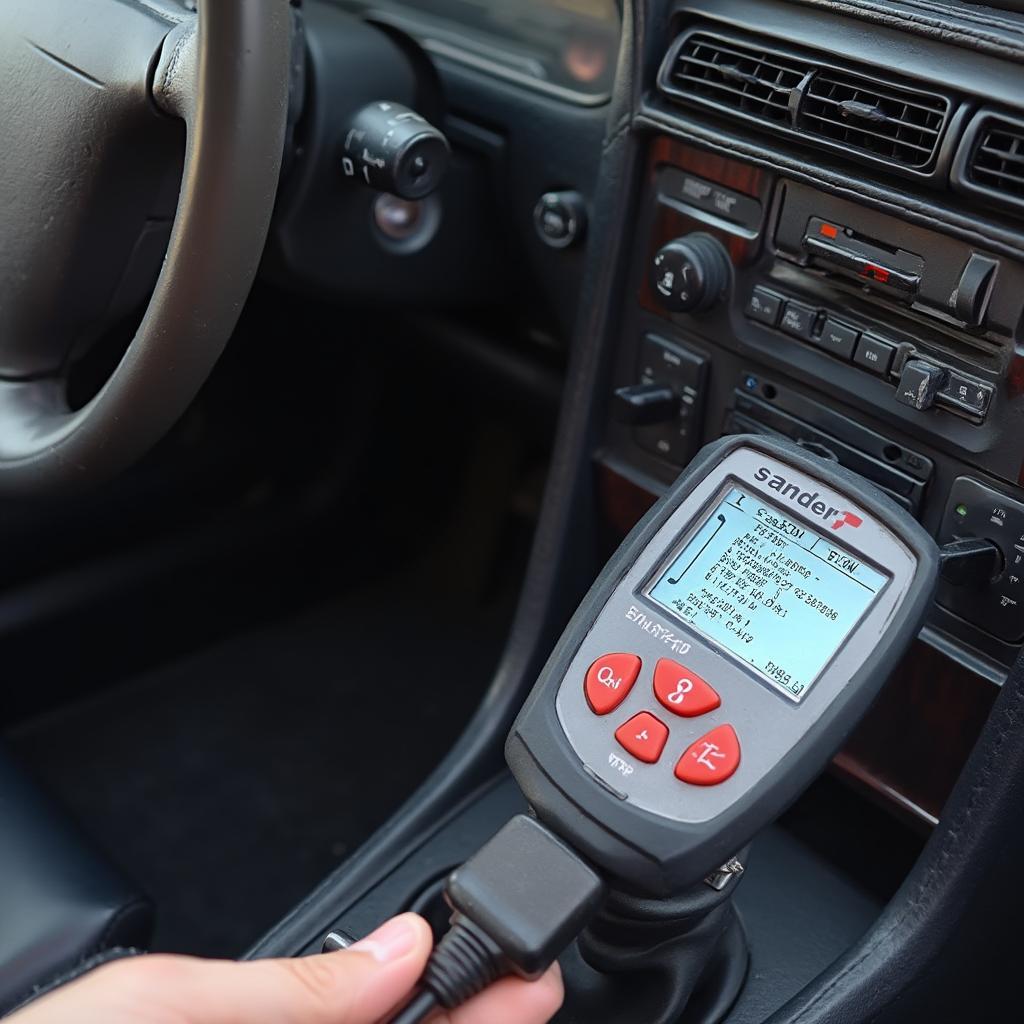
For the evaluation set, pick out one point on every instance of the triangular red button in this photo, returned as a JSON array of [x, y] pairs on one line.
[[682, 691], [643, 736], [711, 759]]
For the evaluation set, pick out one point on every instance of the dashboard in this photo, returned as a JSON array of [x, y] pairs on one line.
[[844, 181], [872, 212], [566, 48]]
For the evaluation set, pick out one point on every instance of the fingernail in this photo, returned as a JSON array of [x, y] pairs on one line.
[[391, 941]]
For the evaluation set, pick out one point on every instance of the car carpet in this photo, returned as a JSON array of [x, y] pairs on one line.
[[229, 783]]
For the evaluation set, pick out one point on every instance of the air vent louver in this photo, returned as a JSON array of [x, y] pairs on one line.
[[861, 116], [754, 82], [894, 124], [998, 159]]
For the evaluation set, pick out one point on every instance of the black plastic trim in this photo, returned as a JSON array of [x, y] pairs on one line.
[[563, 551]]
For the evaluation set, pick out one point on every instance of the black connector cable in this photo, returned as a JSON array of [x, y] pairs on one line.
[[516, 904]]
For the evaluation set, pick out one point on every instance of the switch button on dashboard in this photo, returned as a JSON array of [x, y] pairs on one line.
[[837, 338], [874, 355], [920, 384], [764, 306], [798, 320], [971, 396]]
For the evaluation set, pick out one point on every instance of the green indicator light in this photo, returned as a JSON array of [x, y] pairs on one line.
[[961, 510]]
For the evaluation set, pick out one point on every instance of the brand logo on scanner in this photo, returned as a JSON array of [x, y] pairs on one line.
[[807, 499]]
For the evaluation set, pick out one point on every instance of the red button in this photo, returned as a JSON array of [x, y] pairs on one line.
[[683, 692], [643, 736], [609, 679], [712, 759]]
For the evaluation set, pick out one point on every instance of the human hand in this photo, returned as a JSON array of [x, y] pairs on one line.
[[359, 985]]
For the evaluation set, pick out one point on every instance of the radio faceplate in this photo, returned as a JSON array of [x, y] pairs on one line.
[[938, 276]]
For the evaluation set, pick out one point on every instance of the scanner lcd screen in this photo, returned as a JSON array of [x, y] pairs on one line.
[[770, 590]]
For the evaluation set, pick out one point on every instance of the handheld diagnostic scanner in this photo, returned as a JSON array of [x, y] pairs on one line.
[[727, 649], [725, 652]]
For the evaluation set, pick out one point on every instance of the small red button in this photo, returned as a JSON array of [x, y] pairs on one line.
[[683, 692], [643, 736], [711, 759], [608, 681]]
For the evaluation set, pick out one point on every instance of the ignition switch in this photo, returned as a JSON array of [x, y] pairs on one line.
[[393, 149]]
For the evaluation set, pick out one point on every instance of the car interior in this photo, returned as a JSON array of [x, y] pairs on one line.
[[346, 345]]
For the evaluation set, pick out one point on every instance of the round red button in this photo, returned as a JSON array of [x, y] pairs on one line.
[[682, 691], [609, 680]]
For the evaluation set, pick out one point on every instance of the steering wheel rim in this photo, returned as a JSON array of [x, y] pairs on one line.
[[226, 74]]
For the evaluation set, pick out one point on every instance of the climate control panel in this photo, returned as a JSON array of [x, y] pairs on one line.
[[921, 382]]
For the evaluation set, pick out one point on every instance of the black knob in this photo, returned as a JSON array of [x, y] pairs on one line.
[[971, 561], [392, 149], [643, 404], [690, 273], [560, 218]]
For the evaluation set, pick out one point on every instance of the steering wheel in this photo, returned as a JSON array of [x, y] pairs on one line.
[[93, 94]]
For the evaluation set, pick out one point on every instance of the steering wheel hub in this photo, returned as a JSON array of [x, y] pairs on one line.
[[96, 97]]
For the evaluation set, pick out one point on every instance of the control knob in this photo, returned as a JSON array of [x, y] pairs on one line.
[[393, 149], [641, 405], [690, 274]]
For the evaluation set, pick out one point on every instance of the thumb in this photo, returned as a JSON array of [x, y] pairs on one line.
[[358, 985], [355, 986]]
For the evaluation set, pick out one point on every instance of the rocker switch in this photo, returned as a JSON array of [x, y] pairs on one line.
[[920, 384]]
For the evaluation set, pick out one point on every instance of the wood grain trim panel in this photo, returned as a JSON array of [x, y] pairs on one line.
[[670, 223]]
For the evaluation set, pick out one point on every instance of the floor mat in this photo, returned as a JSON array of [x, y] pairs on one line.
[[228, 784]]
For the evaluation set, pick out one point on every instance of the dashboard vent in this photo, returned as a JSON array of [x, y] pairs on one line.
[[897, 125], [733, 76], [834, 107], [997, 162]]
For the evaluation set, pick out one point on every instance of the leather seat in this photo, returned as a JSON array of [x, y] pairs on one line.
[[62, 905]]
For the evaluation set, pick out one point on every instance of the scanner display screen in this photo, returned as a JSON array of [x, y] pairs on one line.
[[770, 590]]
